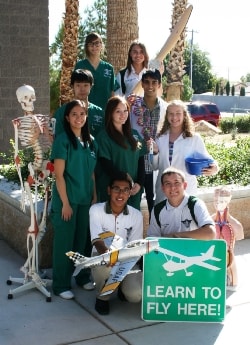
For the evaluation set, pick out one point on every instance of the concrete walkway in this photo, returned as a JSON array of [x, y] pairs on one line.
[[29, 319]]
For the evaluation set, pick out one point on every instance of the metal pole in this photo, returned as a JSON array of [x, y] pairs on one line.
[[191, 59]]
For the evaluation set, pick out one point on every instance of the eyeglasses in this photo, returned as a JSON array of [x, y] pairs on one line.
[[94, 44], [117, 190]]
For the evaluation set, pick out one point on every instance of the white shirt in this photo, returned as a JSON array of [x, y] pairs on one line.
[[130, 80], [182, 148], [178, 219], [128, 224]]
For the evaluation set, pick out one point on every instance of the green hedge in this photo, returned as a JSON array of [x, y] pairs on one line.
[[242, 123], [234, 163]]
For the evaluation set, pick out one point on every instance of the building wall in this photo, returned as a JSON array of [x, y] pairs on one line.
[[24, 59]]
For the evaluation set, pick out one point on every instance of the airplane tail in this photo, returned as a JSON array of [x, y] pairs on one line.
[[76, 257], [78, 260], [209, 254]]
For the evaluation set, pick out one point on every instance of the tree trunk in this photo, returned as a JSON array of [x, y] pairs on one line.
[[69, 50], [175, 67], [122, 29]]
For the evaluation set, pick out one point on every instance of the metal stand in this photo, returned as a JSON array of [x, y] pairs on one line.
[[32, 279]]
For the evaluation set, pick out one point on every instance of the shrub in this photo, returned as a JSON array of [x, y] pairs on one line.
[[234, 163], [8, 170], [242, 124]]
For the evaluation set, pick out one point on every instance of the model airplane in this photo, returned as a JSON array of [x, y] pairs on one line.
[[172, 266], [122, 259]]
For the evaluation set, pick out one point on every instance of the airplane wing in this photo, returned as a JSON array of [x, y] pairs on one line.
[[206, 265], [117, 274], [194, 260], [107, 237], [171, 253], [111, 240]]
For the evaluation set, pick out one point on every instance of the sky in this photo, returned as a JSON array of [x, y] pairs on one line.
[[219, 28]]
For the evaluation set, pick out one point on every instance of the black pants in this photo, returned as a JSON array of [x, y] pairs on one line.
[[149, 191]]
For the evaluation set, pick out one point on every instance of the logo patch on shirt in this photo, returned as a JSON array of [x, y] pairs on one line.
[[128, 232], [186, 222], [107, 73]]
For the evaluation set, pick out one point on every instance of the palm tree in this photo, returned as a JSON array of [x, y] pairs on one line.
[[69, 51], [122, 29], [175, 67]]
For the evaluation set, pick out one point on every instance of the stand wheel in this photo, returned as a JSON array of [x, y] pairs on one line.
[[9, 282], [48, 299], [10, 296]]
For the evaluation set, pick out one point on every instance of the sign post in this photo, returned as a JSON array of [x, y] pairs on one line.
[[185, 281]]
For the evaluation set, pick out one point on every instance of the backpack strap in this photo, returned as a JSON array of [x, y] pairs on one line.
[[157, 210], [122, 73], [191, 202]]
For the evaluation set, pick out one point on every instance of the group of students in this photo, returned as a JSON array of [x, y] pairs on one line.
[[105, 150]]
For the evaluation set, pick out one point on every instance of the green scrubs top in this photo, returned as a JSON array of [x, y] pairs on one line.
[[95, 119], [104, 81], [123, 159], [79, 167]]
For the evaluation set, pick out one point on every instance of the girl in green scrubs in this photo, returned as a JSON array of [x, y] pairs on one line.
[[74, 156], [120, 149]]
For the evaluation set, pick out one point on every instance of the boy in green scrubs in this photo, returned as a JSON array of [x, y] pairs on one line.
[[81, 82], [102, 71]]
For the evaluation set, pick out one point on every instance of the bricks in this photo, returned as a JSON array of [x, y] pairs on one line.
[[24, 50]]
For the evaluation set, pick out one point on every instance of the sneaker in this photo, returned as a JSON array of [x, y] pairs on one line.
[[102, 307], [66, 294], [89, 286]]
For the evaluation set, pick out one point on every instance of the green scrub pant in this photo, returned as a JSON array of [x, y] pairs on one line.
[[135, 200], [72, 235]]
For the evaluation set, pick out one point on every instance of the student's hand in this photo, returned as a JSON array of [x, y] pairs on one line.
[[155, 147], [135, 189], [211, 170], [130, 179], [131, 99], [66, 212]]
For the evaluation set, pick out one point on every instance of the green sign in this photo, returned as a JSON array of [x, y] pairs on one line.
[[185, 281]]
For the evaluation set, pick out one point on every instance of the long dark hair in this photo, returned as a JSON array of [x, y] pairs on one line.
[[114, 134], [144, 51], [84, 130]]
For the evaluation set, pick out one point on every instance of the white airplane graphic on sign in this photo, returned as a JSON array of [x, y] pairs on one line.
[[185, 262]]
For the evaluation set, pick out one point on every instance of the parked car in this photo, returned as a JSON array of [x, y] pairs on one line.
[[204, 111]]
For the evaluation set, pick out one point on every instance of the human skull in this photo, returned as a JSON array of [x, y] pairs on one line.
[[26, 96]]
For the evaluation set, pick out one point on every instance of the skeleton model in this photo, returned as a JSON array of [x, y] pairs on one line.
[[33, 131]]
